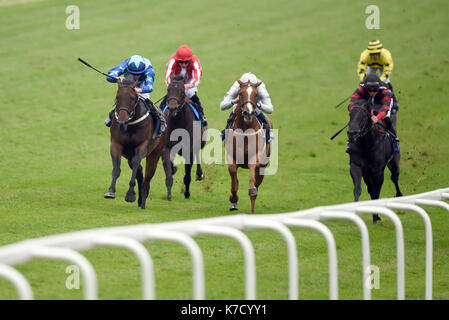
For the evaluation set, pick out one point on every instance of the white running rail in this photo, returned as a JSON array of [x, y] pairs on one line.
[[66, 246]]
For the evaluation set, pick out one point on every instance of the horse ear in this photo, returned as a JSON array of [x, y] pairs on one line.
[[258, 84], [240, 82]]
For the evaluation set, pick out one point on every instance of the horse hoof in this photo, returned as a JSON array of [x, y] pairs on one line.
[[252, 192], [169, 197], [109, 195], [199, 178], [187, 195], [233, 207], [173, 170], [130, 198]]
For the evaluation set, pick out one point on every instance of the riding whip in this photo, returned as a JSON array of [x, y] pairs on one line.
[[342, 102], [339, 131], [87, 64]]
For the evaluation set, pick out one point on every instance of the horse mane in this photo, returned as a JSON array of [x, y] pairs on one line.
[[127, 83]]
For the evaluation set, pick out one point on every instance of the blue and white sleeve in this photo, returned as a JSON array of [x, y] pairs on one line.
[[147, 85], [117, 71]]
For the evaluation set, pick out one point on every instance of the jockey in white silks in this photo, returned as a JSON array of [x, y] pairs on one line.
[[263, 100]]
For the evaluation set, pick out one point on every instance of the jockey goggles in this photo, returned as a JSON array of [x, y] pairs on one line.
[[372, 86]]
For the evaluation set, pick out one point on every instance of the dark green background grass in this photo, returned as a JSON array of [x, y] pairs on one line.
[[54, 151]]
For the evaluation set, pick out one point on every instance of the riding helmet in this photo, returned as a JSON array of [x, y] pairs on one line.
[[136, 64], [184, 53], [375, 46], [372, 82]]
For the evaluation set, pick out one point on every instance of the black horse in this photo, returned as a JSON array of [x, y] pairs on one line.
[[370, 151], [185, 135], [132, 136]]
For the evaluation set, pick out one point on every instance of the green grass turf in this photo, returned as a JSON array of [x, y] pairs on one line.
[[54, 151]]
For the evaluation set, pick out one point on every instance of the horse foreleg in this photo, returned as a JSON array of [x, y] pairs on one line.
[[150, 169], [187, 179], [168, 171], [252, 185], [374, 187], [393, 165], [234, 198], [134, 164], [356, 174], [116, 156]]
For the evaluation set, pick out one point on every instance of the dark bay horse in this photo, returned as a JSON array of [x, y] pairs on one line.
[[369, 153], [245, 144], [185, 135], [132, 137]]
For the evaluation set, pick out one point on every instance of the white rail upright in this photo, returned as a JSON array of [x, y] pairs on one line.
[[248, 253], [199, 286], [399, 243], [19, 282], [365, 244], [141, 253], [331, 248], [256, 223], [428, 240], [90, 286]]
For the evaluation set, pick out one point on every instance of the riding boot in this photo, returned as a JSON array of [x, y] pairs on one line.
[[261, 117], [228, 124], [157, 112], [108, 120], [197, 103], [392, 132]]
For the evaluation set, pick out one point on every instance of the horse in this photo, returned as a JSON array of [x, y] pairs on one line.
[[245, 144], [133, 137], [370, 152], [182, 126]]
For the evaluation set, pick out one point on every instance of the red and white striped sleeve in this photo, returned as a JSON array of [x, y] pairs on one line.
[[196, 71], [169, 69]]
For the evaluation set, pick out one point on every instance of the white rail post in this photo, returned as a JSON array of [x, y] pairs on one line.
[[285, 232], [19, 282], [89, 277], [399, 243], [331, 247], [364, 240], [195, 253], [146, 264], [429, 240], [248, 253]]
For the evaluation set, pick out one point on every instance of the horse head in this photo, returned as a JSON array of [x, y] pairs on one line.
[[359, 121], [248, 99], [176, 94], [126, 102]]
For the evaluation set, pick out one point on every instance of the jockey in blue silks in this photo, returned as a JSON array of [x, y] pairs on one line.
[[139, 69]]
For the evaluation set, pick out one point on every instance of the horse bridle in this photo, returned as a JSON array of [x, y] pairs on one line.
[[179, 105], [241, 104], [130, 113], [361, 133]]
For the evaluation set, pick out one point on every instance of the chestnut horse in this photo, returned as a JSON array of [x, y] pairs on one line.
[[132, 136], [245, 144]]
